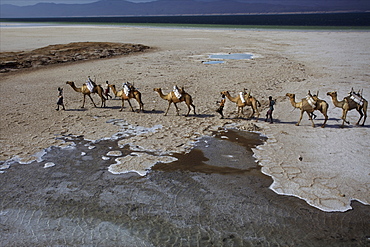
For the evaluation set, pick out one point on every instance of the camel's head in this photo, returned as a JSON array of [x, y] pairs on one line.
[[224, 92], [156, 89], [332, 94], [290, 95], [70, 83]]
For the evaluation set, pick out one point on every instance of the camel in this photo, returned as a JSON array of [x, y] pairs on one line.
[[171, 98], [305, 106], [134, 93], [249, 101], [85, 91], [348, 104]]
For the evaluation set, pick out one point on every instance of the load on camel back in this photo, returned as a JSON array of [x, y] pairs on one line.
[[312, 99], [127, 88], [178, 92], [90, 84], [356, 97]]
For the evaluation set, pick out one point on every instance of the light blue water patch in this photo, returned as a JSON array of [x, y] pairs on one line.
[[234, 56], [213, 62]]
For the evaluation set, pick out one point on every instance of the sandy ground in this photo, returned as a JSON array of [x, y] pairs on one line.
[[335, 165]]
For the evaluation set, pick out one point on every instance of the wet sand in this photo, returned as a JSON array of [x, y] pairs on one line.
[[225, 206]]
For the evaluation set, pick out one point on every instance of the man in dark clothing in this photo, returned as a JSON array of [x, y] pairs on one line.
[[271, 109], [60, 99], [222, 104]]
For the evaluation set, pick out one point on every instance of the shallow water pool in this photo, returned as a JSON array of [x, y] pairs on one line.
[[234, 56], [219, 58]]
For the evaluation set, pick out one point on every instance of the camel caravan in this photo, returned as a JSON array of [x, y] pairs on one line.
[[309, 104], [312, 103]]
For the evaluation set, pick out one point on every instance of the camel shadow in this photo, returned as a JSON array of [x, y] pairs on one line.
[[332, 123], [77, 109], [154, 112], [347, 126], [113, 107], [244, 118], [181, 115], [202, 115], [278, 121]]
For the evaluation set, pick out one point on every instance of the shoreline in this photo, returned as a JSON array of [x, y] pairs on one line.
[[281, 68]]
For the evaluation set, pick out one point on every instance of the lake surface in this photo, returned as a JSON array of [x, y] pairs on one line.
[[229, 21]]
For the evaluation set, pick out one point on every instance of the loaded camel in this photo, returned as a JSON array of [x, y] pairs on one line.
[[305, 106], [85, 91], [248, 101], [171, 98], [132, 94], [348, 104]]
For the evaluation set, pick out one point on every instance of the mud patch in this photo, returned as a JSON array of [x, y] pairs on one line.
[[65, 53]]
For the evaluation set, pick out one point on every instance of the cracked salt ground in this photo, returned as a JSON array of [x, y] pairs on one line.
[[215, 195]]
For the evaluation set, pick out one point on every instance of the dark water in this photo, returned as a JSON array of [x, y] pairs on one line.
[[213, 196], [328, 19]]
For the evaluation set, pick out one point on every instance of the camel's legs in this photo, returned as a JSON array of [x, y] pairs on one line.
[[309, 115], [141, 105], [344, 116], [365, 116], [361, 115], [255, 111], [169, 104], [364, 108], [177, 109], [257, 115], [132, 109], [240, 111], [300, 118], [187, 114], [252, 114], [189, 109], [102, 101], [193, 108], [91, 100], [326, 119], [363, 123], [83, 102], [123, 105]]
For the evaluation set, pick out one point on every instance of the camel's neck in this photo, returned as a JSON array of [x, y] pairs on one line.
[[336, 102], [161, 94], [294, 104], [113, 89], [233, 99], [77, 89]]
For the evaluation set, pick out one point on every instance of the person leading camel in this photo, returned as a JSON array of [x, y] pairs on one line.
[[60, 99], [271, 109], [222, 104], [106, 90]]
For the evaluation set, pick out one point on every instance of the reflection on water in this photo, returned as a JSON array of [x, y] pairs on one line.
[[234, 56], [217, 58], [213, 196], [213, 62]]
